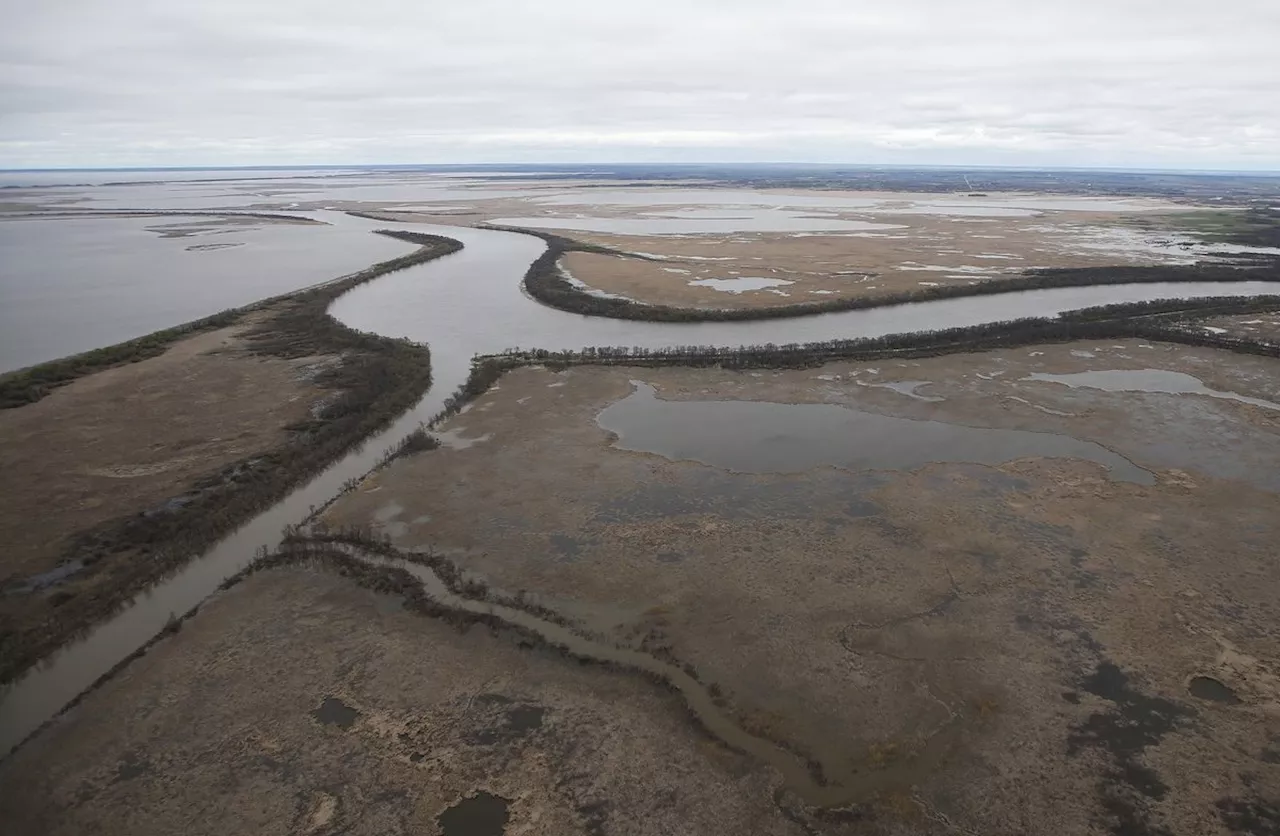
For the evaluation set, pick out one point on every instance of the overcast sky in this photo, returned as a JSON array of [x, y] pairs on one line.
[[1152, 83]]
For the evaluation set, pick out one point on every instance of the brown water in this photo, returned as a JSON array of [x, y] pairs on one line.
[[1208, 688]]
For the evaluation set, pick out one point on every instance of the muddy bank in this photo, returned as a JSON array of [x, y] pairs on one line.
[[117, 479]]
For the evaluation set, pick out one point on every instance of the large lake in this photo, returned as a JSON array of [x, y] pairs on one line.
[[74, 284]]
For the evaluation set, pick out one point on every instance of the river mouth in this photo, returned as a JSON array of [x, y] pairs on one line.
[[76, 284], [766, 437]]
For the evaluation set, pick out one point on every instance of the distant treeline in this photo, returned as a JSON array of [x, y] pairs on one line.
[[546, 282], [377, 379]]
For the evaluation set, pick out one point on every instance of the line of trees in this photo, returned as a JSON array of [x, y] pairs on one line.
[[1155, 320]]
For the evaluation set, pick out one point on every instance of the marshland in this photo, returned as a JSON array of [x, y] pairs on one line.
[[905, 550]]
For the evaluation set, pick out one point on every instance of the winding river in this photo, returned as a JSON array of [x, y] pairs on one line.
[[466, 304]]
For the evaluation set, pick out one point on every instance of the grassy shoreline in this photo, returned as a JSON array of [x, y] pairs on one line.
[[546, 282], [28, 385], [378, 378]]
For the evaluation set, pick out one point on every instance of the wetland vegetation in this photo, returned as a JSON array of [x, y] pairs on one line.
[[546, 282], [372, 380], [378, 377]]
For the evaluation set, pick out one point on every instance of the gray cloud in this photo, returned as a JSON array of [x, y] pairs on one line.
[[1090, 82]]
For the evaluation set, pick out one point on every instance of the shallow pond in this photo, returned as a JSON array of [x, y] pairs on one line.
[[741, 284], [1145, 380], [764, 437]]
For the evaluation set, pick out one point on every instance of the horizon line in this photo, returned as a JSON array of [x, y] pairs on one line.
[[591, 165]]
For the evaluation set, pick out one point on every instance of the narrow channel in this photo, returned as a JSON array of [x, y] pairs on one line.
[[820, 784]]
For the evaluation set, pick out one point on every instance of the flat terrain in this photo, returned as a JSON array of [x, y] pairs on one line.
[[1025, 591], [787, 253], [130, 438], [925, 252], [1263, 326], [1032, 645], [135, 441], [299, 703], [1020, 617]]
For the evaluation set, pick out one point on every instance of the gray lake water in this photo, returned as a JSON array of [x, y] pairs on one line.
[[74, 284], [764, 437]]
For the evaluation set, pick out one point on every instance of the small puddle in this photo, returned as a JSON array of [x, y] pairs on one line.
[[482, 814], [1145, 380], [740, 285], [764, 437], [1208, 688], [906, 387], [335, 712]]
